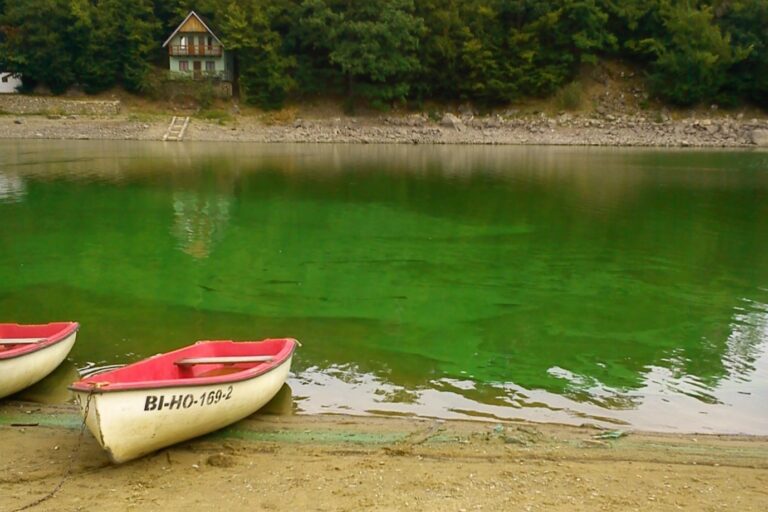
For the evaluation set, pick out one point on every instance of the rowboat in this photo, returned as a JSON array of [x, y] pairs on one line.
[[30, 352], [172, 397]]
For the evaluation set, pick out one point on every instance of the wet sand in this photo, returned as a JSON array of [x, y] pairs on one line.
[[330, 463]]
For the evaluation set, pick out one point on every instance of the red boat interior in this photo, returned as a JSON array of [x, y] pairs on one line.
[[22, 339], [196, 365]]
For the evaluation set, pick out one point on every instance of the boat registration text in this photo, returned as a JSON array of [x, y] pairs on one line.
[[185, 401]]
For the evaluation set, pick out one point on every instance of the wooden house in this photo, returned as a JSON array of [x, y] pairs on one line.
[[195, 52]]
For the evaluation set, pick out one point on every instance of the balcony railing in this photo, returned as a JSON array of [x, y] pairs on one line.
[[207, 50], [191, 74]]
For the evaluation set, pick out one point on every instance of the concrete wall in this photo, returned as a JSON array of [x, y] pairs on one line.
[[23, 104]]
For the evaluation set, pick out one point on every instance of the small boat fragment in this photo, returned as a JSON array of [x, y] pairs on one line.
[[28, 353]]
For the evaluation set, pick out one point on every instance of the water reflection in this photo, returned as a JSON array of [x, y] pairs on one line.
[[668, 400], [12, 188], [202, 200], [745, 345], [554, 284], [199, 221], [282, 403], [53, 388]]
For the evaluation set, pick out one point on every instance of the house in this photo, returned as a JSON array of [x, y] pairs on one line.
[[9, 83], [195, 52]]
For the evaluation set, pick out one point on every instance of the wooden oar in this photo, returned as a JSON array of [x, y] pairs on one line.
[[224, 360], [20, 341]]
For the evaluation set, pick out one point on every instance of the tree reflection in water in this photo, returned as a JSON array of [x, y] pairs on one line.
[[199, 221]]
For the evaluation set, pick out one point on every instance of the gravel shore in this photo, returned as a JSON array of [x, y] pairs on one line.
[[564, 129]]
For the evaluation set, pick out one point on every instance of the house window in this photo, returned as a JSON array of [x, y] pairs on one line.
[[210, 66], [183, 65], [5, 79]]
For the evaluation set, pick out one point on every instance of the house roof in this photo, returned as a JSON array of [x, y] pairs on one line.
[[201, 20]]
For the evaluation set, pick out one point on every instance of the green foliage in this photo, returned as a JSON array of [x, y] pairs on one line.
[[582, 27], [488, 52], [440, 48], [64, 42], [264, 70], [693, 59], [746, 21], [570, 96], [493, 51], [372, 44], [40, 42], [220, 116], [632, 21], [138, 38], [205, 95], [98, 63]]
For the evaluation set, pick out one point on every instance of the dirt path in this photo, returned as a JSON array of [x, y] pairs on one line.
[[329, 463]]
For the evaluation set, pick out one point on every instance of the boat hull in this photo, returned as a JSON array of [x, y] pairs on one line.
[[135, 422], [23, 371]]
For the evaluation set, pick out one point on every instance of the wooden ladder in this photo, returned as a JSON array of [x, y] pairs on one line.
[[176, 129]]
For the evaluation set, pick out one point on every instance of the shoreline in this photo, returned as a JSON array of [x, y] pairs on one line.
[[562, 130], [337, 462]]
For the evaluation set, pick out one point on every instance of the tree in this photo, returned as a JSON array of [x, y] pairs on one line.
[[264, 70], [632, 21], [440, 49], [373, 44], [136, 33], [746, 21], [97, 63], [693, 57], [37, 42], [487, 67], [582, 30]]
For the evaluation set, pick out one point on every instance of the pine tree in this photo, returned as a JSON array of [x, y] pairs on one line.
[[265, 77]]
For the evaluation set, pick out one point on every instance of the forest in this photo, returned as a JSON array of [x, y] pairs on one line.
[[383, 52]]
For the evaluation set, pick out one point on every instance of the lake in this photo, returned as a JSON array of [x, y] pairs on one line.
[[626, 288]]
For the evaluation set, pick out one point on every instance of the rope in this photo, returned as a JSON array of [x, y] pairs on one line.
[[68, 472]]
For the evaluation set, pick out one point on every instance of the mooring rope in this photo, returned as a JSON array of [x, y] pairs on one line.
[[68, 472]]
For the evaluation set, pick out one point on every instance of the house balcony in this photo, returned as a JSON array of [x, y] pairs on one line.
[[204, 50]]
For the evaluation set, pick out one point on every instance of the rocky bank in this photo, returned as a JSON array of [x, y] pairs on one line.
[[564, 129]]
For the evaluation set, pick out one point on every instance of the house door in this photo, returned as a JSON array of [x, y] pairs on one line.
[[198, 69]]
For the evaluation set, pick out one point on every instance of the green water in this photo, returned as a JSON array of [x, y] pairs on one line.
[[627, 287]]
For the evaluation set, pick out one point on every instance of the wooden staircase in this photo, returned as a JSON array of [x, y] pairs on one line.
[[176, 129]]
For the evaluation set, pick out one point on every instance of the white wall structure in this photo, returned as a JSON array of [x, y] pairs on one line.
[[9, 83]]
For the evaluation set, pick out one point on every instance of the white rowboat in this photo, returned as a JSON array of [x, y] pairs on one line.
[[172, 397], [30, 352]]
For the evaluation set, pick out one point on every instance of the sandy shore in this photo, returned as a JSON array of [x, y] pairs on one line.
[[565, 129], [329, 463]]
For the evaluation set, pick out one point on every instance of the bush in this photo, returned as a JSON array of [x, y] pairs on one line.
[[570, 96], [205, 95], [220, 116]]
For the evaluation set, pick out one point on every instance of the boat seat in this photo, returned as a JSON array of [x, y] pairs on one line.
[[20, 341], [223, 360], [225, 364]]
